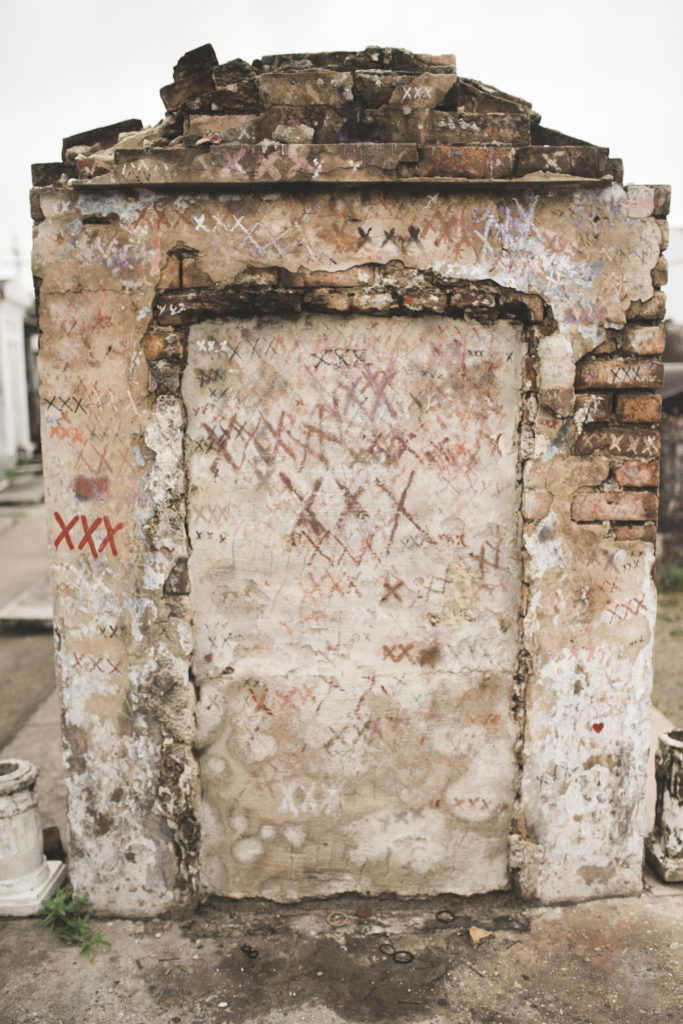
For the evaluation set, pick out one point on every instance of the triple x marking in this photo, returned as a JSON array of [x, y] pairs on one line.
[[88, 531]]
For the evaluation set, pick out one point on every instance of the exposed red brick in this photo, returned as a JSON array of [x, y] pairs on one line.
[[374, 302], [536, 504], [583, 473], [617, 373], [614, 506], [192, 275], [631, 531], [597, 408], [638, 474], [304, 278], [642, 340], [629, 441], [424, 301], [259, 277], [170, 274], [639, 408], [322, 299]]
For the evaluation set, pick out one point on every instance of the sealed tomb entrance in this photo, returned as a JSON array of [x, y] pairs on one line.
[[355, 572]]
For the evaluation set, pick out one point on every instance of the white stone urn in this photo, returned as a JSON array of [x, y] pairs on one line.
[[664, 845], [26, 877]]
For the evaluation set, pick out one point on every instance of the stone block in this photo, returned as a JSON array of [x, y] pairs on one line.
[[466, 162], [378, 88], [234, 72], [614, 506], [615, 168], [230, 127], [34, 203], [47, 174], [236, 98], [617, 373], [583, 161], [639, 201], [643, 341], [638, 408], [650, 309], [660, 272], [637, 473], [662, 200], [664, 234], [102, 137], [303, 88], [187, 89], [443, 127]]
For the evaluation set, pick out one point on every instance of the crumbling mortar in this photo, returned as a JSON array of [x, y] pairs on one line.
[[175, 802], [526, 431]]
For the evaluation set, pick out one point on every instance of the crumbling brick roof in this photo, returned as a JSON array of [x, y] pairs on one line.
[[380, 114]]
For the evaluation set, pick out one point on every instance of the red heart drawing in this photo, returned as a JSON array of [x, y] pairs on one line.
[[599, 726]]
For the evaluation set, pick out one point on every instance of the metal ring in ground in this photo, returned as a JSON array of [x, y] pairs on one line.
[[387, 949], [336, 919], [445, 916], [402, 956], [250, 952]]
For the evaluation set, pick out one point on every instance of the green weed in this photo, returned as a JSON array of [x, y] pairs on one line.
[[67, 915], [671, 580]]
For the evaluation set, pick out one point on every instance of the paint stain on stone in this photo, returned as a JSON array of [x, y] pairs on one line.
[[88, 487], [429, 655]]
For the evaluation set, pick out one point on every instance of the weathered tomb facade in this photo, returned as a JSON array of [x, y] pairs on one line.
[[348, 377]]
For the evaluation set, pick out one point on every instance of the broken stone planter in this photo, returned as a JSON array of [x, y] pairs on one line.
[[26, 877], [664, 847]]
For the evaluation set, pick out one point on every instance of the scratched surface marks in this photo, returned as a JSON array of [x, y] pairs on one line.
[[354, 528], [588, 258]]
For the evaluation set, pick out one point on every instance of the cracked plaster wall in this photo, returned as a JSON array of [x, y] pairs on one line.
[[136, 595]]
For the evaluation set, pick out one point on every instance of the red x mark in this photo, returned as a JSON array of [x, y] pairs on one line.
[[87, 534], [66, 530], [103, 459], [261, 701], [109, 539]]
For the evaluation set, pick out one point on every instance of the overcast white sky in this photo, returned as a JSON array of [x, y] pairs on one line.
[[608, 71]]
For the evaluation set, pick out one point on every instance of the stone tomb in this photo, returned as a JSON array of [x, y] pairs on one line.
[[351, 456]]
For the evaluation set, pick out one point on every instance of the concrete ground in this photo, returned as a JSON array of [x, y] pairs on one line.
[[320, 961]]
